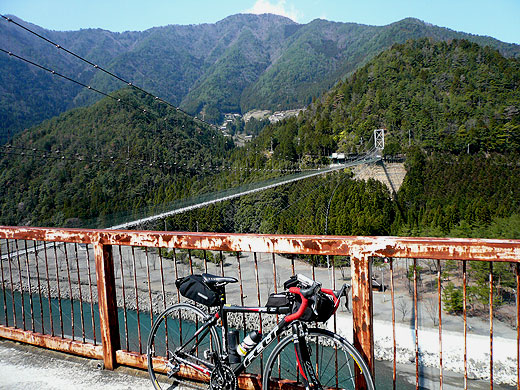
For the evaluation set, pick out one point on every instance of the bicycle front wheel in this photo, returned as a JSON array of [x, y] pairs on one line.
[[171, 331], [332, 357]]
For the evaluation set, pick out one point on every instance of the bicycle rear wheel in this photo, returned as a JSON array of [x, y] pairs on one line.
[[172, 329], [332, 357]]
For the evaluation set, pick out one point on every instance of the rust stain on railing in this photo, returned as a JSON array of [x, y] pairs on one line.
[[52, 342], [360, 250], [401, 247]]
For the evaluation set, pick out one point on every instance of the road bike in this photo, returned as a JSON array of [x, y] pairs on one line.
[[197, 348]]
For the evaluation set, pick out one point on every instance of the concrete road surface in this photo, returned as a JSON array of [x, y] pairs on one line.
[[26, 367]]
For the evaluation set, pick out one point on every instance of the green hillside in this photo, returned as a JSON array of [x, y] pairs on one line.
[[439, 96], [237, 64], [448, 95], [108, 158], [460, 196]]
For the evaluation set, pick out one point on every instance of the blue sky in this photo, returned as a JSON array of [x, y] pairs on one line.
[[497, 18]]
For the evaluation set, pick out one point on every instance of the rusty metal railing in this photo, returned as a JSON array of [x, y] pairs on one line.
[[95, 292]]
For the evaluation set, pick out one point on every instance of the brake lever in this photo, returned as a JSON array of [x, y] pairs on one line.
[[310, 291]]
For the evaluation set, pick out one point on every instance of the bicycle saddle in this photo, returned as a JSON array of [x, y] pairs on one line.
[[209, 278]]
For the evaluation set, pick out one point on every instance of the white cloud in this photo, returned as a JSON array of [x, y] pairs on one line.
[[279, 8]]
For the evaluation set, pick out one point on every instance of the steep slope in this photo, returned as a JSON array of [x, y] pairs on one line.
[[222, 84], [99, 160], [239, 63], [438, 95], [312, 62], [199, 64], [322, 53]]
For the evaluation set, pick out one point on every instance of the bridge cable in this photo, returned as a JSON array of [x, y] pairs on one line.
[[58, 74], [134, 107], [58, 46]]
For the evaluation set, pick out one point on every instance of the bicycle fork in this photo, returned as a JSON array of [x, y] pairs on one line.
[[303, 359]]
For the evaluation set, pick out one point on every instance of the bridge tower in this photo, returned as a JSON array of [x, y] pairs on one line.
[[379, 140]]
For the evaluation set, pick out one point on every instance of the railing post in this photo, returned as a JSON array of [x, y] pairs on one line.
[[362, 308], [107, 302]]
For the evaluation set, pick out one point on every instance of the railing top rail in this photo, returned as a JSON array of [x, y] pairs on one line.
[[380, 246]]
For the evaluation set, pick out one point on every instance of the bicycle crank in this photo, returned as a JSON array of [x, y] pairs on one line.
[[223, 378]]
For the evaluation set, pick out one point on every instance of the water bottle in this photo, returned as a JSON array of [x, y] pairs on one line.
[[249, 342]]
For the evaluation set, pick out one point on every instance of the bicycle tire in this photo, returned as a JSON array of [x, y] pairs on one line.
[[177, 323], [281, 370]]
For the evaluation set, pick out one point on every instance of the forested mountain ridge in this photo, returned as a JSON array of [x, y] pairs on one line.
[[239, 63], [108, 158], [450, 94], [436, 95], [322, 53]]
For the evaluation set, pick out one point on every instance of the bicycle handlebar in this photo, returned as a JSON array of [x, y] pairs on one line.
[[306, 293], [303, 306]]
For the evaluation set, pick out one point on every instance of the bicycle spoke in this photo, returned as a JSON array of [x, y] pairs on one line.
[[179, 333], [333, 359]]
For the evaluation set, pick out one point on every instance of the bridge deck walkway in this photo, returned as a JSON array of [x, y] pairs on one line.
[[26, 367]]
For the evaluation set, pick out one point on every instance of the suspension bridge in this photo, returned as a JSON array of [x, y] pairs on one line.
[[136, 218], [208, 199], [125, 221]]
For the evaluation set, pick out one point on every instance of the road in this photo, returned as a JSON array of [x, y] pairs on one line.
[[25, 367]]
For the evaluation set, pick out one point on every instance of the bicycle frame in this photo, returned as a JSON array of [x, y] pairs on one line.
[[261, 346], [222, 315], [288, 320]]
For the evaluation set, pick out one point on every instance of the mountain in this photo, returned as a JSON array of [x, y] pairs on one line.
[[113, 158], [455, 97], [168, 61], [439, 97], [237, 64], [107, 158]]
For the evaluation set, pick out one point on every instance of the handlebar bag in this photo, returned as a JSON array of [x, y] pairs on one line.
[[194, 288], [320, 308]]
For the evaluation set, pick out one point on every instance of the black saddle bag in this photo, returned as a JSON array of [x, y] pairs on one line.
[[194, 288]]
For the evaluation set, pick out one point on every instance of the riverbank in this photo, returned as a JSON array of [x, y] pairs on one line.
[[478, 348]]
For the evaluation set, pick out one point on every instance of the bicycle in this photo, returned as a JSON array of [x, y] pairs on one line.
[[185, 342]]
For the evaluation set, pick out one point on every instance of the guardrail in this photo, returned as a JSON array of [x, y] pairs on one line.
[[94, 293]]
